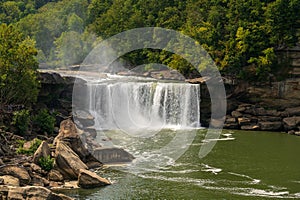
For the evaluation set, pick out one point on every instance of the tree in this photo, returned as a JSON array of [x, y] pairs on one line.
[[18, 67]]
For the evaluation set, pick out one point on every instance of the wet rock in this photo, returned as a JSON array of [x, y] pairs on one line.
[[270, 126], [55, 175], [10, 180], [88, 179], [16, 171], [30, 193], [67, 161], [42, 151]]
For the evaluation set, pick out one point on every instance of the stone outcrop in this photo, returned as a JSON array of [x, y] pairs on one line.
[[256, 117], [88, 179]]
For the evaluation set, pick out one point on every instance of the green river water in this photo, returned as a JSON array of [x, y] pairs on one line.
[[242, 165]]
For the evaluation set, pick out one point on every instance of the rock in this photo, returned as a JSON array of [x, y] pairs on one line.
[[35, 168], [10, 180], [269, 119], [88, 179], [244, 121], [112, 155], [236, 114], [42, 151], [55, 175], [92, 132], [270, 126], [71, 185], [70, 135], [30, 193], [250, 127], [54, 184], [16, 171], [291, 122], [51, 78], [293, 111], [37, 180], [67, 130], [1, 162], [84, 117], [231, 126], [67, 161]]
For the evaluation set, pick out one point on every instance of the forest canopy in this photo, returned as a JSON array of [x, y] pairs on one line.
[[241, 36]]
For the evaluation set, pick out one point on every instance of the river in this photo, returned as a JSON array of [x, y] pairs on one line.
[[242, 165]]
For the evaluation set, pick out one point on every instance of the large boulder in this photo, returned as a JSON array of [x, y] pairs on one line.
[[112, 155], [88, 179], [16, 171], [42, 151], [67, 162], [30, 193]]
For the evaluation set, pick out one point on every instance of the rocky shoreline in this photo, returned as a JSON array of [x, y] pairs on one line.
[[24, 178]]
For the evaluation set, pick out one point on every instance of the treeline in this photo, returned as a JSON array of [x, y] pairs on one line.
[[242, 36]]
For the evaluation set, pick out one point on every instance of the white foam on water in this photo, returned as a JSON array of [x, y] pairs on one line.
[[213, 170]]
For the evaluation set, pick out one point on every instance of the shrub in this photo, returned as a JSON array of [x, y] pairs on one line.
[[33, 147], [21, 120], [44, 121], [46, 163]]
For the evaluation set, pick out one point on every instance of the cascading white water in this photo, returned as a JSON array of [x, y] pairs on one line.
[[133, 105]]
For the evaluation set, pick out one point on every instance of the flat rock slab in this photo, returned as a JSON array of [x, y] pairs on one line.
[[112, 155]]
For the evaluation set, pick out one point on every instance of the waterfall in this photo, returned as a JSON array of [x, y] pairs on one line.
[[131, 105]]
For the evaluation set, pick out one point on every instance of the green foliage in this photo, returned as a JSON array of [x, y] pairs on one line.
[[241, 36], [21, 120], [44, 121], [32, 149], [46, 163], [18, 67]]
